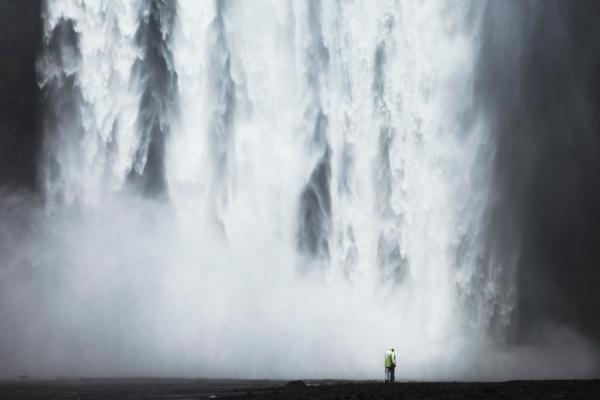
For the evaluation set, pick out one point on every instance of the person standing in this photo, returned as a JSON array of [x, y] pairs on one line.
[[390, 365]]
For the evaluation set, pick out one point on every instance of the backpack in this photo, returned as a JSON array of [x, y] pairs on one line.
[[388, 360]]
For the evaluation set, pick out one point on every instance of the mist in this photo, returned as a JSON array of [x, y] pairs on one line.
[[286, 190], [80, 298]]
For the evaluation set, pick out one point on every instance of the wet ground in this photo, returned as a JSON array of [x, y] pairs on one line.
[[211, 389]]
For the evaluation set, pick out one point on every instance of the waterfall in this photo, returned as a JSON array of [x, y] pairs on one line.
[[269, 188], [92, 99]]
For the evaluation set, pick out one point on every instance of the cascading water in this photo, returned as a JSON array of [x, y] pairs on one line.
[[265, 188], [92, 102]]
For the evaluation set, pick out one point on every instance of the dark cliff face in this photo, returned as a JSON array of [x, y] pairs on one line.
[[539, 84], [20, 38]]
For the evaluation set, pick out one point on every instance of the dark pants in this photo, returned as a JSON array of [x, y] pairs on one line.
[[389, 374]]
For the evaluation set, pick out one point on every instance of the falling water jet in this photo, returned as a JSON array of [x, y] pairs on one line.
[[156, 74]]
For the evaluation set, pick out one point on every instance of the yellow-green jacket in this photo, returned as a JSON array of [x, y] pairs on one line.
[[390, 359]]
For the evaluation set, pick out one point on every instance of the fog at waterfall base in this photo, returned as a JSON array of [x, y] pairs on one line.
[[157, 306], [218, 197]]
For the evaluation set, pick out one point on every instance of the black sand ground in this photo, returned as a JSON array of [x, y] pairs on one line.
[[222, 389]]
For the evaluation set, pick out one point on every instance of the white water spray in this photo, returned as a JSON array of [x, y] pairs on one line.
[[91, 145], [326, 186], [386, 79]]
